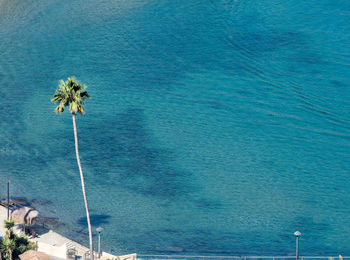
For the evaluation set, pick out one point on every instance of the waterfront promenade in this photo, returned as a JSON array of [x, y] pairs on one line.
[[57, 246]]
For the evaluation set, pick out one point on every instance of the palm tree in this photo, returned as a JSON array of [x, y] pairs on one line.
[[7, 246], [72, 94], [9, 224]]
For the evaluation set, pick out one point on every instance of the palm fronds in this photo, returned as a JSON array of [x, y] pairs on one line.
[[70, 94]]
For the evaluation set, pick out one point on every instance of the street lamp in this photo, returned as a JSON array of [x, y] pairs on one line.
[[8, 200], [297, 234], [99, 230]]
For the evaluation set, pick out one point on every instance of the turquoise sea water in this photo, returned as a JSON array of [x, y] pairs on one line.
[[214, 126]]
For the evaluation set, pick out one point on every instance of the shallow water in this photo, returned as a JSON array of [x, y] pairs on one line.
[[214, 126]]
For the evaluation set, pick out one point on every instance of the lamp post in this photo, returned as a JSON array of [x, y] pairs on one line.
[[297, 234], [99, 230], [8, 200]]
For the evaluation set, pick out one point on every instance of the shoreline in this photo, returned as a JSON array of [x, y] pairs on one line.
[[56, 245]]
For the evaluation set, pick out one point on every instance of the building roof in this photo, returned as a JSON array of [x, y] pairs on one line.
[[34, 255]]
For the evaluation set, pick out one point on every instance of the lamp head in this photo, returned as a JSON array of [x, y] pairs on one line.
[[99, 229], [297, 233]]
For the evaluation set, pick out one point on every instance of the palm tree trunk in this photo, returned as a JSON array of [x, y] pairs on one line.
[[83, 187]]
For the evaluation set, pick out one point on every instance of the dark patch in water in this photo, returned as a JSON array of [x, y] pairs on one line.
[[41, 202], [338, 84], [208, 204], [216, 105], [308, 224], [132, 160], [264, 41], [44, 224], [95, 220], [48, 220], [21, 201], [311, 59], [170, 249], [169, 230]]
